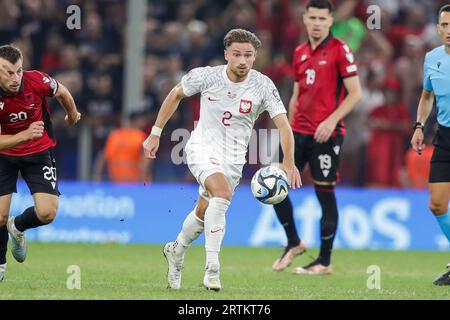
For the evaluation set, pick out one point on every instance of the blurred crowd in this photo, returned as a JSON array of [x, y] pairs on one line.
[[183, 34]]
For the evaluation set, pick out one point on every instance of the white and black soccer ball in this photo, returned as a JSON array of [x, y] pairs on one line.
[[270, 185]]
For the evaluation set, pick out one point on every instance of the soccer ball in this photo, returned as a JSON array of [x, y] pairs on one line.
[[270, 185]]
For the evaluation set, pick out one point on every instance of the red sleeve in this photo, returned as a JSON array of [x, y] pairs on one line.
[[346, 61], [45, 84]]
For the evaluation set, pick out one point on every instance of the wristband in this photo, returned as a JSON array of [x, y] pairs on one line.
[[419, 125], [156, 131]]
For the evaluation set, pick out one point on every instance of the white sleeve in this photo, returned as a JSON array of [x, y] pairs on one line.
[[195, 81], [272, 102]]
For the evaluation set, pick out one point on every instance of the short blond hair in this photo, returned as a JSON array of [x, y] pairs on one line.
[[241, 35]]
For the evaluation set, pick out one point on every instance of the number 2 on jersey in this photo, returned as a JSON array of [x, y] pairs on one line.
[[226, 116]]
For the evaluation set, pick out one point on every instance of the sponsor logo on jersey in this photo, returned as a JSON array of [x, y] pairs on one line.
[[245, 106], [214, 161], [231, 95], [212, 99]]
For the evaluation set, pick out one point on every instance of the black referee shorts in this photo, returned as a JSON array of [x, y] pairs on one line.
[[440, 161], [38, 170]]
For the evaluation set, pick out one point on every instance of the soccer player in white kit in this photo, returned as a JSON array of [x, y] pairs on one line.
[[232, 98]]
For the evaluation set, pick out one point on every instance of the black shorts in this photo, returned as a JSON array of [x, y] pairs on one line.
[[38, 170], [323, 158], [440, 161]]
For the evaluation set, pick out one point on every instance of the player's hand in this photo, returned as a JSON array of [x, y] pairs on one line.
[[292, 173], [34, 131], [417, 141], [325, 130], [151, 145], [73, 118]]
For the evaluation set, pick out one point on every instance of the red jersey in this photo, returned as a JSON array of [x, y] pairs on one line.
[[19, 110], [320, 75]]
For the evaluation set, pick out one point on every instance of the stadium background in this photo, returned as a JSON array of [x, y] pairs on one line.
[[126, 57]]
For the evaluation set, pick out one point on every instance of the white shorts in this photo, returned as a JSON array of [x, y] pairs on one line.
[[202, 163]]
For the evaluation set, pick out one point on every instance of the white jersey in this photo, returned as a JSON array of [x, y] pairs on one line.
[[228, 110]]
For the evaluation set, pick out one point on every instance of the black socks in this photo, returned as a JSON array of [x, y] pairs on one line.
[[328, 223], [285, 214], [27, 220], [3, 243]]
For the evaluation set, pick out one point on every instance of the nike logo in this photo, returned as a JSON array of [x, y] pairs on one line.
[[214, 231], [212, 99]]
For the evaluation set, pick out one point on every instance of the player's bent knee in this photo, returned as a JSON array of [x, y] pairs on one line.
[[46, 215], [438, 208], [200, 212], [3, 219], [222, 193], [46, 208]]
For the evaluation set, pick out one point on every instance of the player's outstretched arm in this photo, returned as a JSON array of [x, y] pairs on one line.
[[65, 99], [287, 144], [34, 131], [423, 111], [168, 107], [327, 127]]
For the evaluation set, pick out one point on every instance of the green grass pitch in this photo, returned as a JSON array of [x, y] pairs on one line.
[[114, 271]]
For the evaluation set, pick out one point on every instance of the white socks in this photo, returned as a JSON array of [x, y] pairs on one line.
[[215, 228], [192, 228]]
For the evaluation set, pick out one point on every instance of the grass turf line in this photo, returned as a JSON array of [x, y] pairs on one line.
[[115, 271]]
